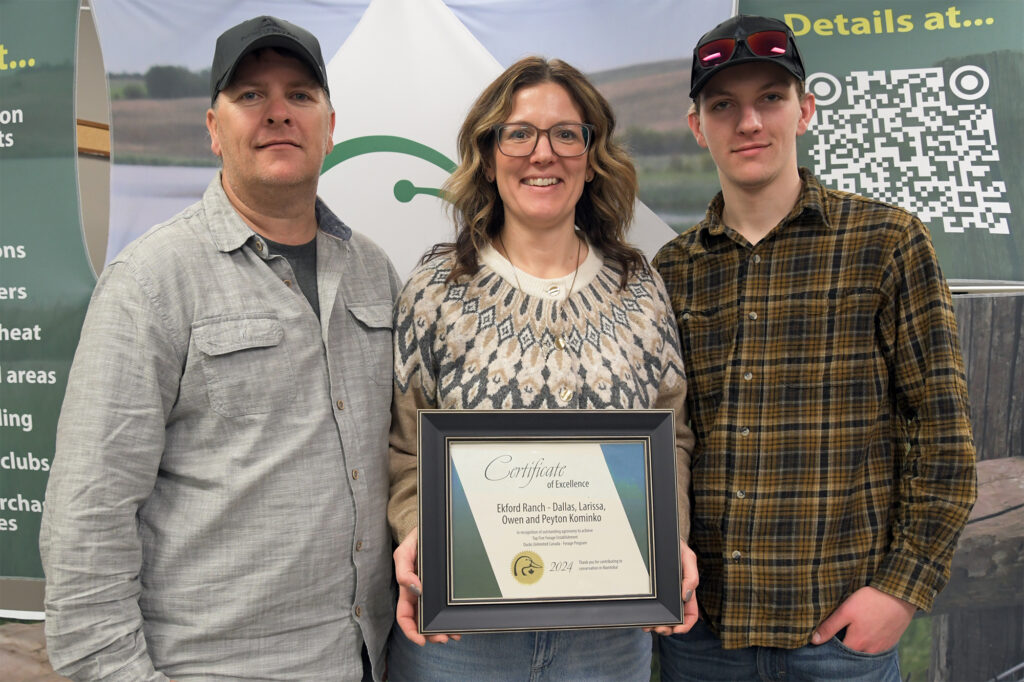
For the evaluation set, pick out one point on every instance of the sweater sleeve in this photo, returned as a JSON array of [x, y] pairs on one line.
[[414, 389]]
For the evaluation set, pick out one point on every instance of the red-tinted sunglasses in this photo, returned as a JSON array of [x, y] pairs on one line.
[[762, 44]]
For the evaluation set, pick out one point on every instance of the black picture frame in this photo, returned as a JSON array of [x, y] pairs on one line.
[[439, 613]]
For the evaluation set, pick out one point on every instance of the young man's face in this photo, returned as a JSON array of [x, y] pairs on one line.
[[749, 116], [272, 125]]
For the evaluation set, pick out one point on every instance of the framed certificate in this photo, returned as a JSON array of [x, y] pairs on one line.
[[547, 519]]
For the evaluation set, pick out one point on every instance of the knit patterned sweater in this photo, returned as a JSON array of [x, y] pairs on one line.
[[481, 343]]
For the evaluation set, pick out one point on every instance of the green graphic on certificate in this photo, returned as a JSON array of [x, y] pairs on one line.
[[629, 471], [549, 520], [471, 571]]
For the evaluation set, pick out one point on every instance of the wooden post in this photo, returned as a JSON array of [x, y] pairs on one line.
[[978, 626]]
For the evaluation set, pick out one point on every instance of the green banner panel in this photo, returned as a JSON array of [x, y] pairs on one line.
[[45, 276], [917, 105]]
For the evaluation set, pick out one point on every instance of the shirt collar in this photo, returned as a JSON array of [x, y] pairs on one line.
[[813, 200], [230, 232]]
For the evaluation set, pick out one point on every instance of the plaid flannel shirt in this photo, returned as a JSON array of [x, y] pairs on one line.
[[828, 397]]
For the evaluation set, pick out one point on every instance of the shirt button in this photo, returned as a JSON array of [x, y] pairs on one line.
[[686, 316], [287, 282], [740, 494], [560, 343], [565, 394], [340, 404], [737, 555], [359, 546], [359, 611], [259, 245], [752, 315], [748, 376], [757, 258], [745, 431], [355, 474]]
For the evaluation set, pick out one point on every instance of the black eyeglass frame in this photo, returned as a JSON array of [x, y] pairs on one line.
[[588, 128]]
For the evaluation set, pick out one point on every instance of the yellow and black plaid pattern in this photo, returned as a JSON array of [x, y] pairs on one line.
[[827, 394]]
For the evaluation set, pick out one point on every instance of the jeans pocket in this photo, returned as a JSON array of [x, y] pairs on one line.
[[837, 643]]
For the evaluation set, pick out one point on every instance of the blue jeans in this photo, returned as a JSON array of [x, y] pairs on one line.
[[614, 654], [698, 656]]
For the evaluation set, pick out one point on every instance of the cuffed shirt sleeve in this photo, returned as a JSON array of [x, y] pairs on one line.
[[937, 475], [110, 439], [672, 396]]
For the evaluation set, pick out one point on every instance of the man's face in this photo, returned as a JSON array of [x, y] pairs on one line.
[[272, 125], [749, 117]]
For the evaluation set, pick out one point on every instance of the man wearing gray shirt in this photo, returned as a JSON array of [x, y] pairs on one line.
[[216, 508]]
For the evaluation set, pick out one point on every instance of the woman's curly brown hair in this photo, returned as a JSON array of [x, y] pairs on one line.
[[604, 211]]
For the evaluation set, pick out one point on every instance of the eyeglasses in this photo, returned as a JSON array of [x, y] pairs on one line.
[[566, 139], [762, 44]]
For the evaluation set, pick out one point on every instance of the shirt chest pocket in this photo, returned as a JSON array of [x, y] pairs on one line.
[[825, 342], [707, 338], [247, 370], [373, 326]]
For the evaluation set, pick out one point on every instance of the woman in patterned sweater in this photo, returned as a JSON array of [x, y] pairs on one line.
[[539, 303]]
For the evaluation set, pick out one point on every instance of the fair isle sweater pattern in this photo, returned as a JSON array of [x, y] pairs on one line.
[[480, 343]]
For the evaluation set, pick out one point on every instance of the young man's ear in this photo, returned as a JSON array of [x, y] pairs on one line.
[[806, 113], [693, 120]]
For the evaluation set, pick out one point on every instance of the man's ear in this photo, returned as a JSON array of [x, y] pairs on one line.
[[693, 120], [211, 127], [806, 113], [330, 135]]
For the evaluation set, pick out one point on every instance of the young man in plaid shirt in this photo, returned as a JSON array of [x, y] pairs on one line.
[[834, 467]]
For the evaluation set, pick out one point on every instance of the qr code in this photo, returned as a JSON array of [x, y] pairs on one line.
[[894, 136]]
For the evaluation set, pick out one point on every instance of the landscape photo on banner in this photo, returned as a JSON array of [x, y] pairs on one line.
[[403, 74], [918, 106]]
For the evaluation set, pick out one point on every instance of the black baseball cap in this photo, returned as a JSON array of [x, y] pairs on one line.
[[238, 41], [737, 29]]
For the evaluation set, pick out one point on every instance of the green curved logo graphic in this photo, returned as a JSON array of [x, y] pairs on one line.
[[371, 144]]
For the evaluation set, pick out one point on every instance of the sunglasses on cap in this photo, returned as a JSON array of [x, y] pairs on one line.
[[769, 43]]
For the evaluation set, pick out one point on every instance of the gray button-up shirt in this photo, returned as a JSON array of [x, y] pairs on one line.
[[216, 508]]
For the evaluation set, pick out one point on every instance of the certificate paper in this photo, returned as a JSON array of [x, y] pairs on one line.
[[554, 520]]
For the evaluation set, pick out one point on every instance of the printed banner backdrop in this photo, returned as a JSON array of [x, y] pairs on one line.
[[918, 104], [45, 277], [403, 74], [919, 115]]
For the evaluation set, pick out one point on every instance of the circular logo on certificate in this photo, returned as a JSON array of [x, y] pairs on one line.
[[527, 567]]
